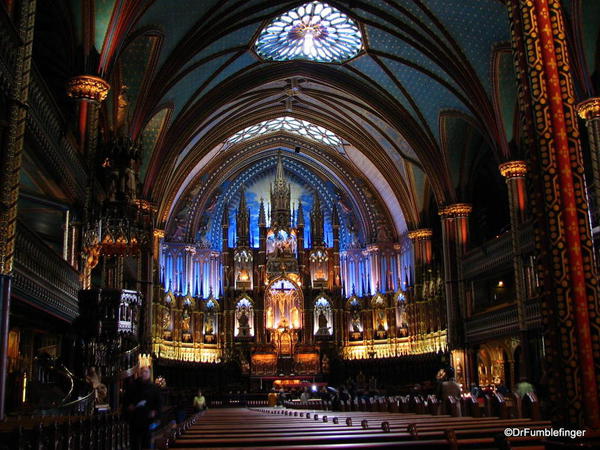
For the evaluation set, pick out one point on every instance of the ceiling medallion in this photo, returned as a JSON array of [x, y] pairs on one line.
[[314, 31]]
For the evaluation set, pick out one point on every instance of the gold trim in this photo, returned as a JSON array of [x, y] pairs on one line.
[[158, 233], [145, 205], [456, 210], [422, 233], [589, 109], [87, 87], [513, 169]]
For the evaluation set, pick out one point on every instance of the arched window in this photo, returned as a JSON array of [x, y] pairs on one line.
[[323, 321], [244, 318]]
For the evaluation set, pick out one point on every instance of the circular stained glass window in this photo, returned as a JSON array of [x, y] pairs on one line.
[[314, 31]]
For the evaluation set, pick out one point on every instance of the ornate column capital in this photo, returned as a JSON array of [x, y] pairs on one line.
[[158, 233], [87, 87], [589, 109], [455, 210], [421, 233], [513, 169]]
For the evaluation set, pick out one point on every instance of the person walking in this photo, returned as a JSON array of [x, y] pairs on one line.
[[143, 405]]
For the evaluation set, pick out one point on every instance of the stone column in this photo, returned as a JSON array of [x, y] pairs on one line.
[[89, 92], [11, 171], [455, 236], [589, 111], [514, 172], [569, 298]]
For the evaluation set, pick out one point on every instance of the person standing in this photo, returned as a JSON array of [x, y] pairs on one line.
[[143, 404]]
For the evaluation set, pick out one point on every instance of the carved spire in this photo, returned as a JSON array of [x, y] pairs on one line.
[[316, 222], [300, 215], [280, 197], [262, 217], [335, 220], [225, 219], [279, 173], [243, 222]]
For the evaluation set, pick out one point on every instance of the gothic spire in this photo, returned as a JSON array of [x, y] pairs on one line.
[[262, 217], [279, 173], [316, 222], [280, 197], [300, 215], [243, 222]]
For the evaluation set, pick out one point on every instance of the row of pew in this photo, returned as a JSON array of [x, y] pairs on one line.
[[497, 405], [283, 428]]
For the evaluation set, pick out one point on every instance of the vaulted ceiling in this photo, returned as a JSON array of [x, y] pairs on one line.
[[429, 92]]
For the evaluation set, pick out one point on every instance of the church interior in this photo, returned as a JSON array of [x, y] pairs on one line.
[[221, 218]]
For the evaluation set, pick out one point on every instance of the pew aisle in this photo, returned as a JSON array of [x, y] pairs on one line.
[[293, 429]]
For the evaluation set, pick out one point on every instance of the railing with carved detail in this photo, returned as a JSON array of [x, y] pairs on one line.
[[496, 253], [47, 128], [9, 42], [43, 278], [501, 322], [104, 431]]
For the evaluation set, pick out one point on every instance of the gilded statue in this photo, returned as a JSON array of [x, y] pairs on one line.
[[355, 322], [209, 326]]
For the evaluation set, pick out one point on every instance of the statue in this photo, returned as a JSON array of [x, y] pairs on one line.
[[381, 320], [100, 389], [130, 181], [295, 317], [243, 325], [185, 323], [323, 324], [355, 322], [209, 326], [112, 185], [166, 319]]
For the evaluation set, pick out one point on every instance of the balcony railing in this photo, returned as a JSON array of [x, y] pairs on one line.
[[496, 253], [9, 42], [492, 324], [43, 278]]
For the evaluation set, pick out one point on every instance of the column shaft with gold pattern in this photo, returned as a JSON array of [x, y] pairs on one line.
[[514, 173], [570, 309]]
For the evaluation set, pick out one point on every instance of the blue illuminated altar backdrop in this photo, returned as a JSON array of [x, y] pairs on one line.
[[260, 188]]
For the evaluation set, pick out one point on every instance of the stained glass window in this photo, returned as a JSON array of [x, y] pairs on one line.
[[314, 31], [291, 125]]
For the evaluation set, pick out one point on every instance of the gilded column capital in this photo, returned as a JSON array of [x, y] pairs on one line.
[[87, 87], [589, 109], [455, 210], [513, 169], [421, 233], [158, 233]]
